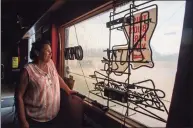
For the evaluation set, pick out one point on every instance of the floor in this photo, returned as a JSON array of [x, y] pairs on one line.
[[7, 90], [8, 109]]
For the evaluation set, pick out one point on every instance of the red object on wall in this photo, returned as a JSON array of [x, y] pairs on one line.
[[54, 44]]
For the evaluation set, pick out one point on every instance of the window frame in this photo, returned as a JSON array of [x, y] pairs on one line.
[[92, 13], [105, 7]]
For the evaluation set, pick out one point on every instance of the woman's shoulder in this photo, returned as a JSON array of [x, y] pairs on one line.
[[26, 68], [28, 65], [51, 64]]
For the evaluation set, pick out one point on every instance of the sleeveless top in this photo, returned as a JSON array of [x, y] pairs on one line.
[[42, 97]]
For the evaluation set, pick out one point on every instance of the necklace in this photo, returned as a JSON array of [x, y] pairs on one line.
[[40, 70], [45, 74]]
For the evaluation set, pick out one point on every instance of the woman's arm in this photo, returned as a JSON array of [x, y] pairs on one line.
[[64, 86], [19, 97]]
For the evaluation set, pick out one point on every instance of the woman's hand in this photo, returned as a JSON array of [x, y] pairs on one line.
[[71, 92]]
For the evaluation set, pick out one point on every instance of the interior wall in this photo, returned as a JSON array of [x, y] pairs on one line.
[[54, 40], [5, 62], [23, 53]]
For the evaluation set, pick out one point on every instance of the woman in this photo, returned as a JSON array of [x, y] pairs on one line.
[[39, 89]]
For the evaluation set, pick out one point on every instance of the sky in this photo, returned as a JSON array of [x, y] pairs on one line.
[[169, 29]]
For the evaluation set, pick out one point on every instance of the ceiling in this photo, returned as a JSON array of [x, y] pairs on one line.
[[25, 11], [18, 16]]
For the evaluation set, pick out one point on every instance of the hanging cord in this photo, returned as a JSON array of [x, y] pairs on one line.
[[125, 116], [173, 14], [80, 63], [129, 71], [114, 8]]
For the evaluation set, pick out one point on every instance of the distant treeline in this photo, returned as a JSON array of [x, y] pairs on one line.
[[94, 52]]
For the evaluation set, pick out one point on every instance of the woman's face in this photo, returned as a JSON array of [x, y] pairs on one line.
[[46, 53]]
